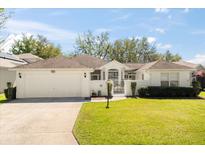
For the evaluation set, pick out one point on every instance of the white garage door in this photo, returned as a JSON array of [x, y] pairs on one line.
[[47, 84]]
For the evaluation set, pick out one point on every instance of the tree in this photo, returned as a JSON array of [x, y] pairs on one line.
[[146, 51], [130, 50], [168, 56], [39, 46], [3, 18], [93, 45]]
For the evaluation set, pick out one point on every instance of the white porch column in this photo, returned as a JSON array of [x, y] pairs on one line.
[[106, 74], [123, 73], [119, 75], [103, 70]]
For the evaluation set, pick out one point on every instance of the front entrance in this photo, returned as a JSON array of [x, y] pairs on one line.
[[118, 83]]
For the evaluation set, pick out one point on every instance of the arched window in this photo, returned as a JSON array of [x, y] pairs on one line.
[[113, 74]]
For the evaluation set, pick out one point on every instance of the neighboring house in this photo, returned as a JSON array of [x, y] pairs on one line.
[[84, 75], [199, 73], [8, 61]]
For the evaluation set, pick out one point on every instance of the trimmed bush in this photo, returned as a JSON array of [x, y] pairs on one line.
[[133, 88], [109, 89], [153, 91], [142, 92], [197, 86], [10, 92]]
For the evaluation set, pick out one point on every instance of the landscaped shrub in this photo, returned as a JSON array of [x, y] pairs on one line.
[[109, 88], [133, 88], [142, 92], [10, 92], [197, 86], [153, 91]]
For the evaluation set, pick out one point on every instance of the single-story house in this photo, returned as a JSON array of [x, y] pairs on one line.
[[84, 76], [8, 61]]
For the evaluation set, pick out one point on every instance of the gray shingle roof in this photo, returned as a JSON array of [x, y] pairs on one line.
[[134, 65], [185, 63], [82, 61], [86, 61], [29, 58], [57, 62], [164, 65], [90, 61]]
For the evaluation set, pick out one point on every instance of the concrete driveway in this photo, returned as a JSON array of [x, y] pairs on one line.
[[38, 123]]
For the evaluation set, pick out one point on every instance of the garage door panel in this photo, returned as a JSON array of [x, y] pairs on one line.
[[53, 85]]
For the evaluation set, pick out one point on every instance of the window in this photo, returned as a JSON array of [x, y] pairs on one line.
[[113, 75], [174, 79], [165, 83], [170, 79], [165, 79], [130, 75], [174, 83], [95, 77]]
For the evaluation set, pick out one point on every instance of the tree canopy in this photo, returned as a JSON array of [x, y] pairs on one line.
[[38, 45], [122, 50], [3, 18]]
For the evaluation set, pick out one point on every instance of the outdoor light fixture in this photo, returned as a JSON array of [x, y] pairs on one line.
[[19, 75], [85, 75]]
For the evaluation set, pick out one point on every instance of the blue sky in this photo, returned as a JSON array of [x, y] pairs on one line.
[[179, 30]]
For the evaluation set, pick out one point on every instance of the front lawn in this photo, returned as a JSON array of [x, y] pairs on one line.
[[142, 121], [2, 98], [202, 94]]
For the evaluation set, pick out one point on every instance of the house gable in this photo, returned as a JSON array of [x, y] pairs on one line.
[[113, 65]]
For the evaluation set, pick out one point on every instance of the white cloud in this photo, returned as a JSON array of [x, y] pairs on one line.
[[160, 30], [198, 59], [151, 39], [199, 32], [53, 33], [186, 10], [101, 30], [164, 46], [122, 17], [161, 10]]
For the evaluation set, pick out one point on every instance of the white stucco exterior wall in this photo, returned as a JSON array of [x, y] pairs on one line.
[[184, 77], [6, 76], [98, 85]]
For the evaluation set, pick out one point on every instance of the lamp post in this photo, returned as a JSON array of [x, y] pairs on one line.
[[109, 89]]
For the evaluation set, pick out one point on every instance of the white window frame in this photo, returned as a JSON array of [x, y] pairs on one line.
[[169, 80], [98, 76], [130, 76]]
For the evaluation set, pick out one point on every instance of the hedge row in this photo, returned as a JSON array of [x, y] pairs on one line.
[[168, 92]]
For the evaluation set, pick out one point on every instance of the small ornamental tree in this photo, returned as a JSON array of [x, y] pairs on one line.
[[109, 92], [133, 88]]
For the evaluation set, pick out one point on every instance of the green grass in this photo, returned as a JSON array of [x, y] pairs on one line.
[[2, 98], [142, 121], [202, 94]]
